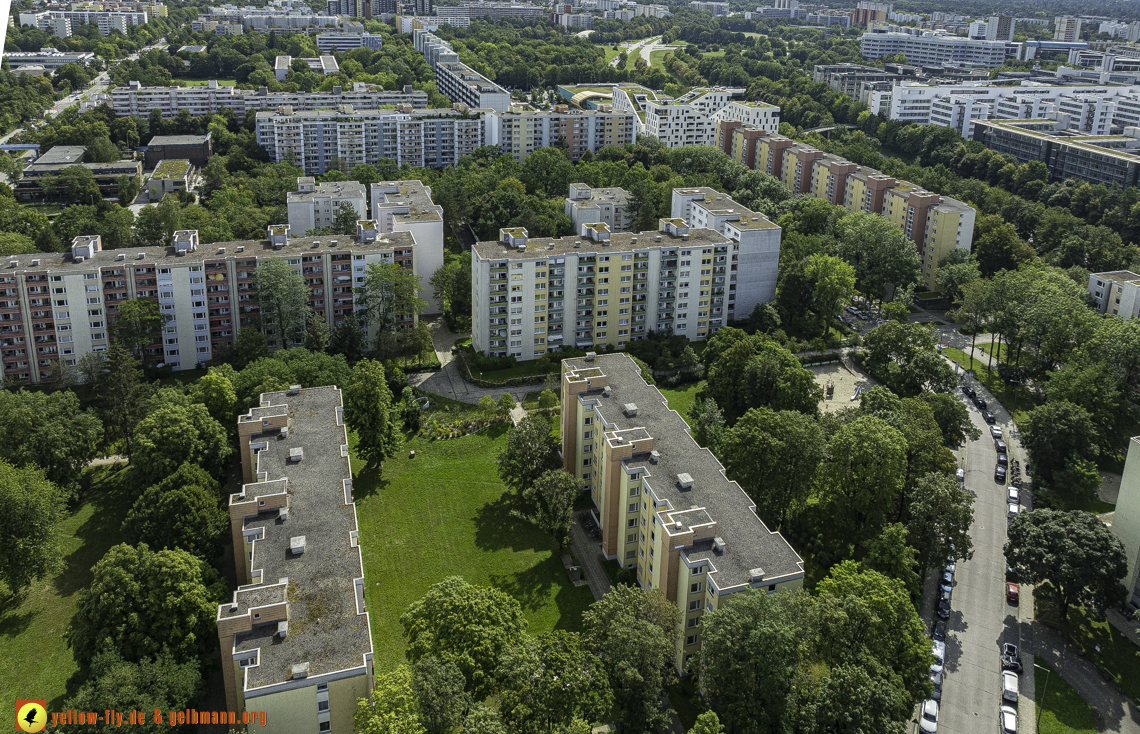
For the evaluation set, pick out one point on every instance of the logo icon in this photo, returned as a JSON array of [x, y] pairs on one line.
[[31, 716]]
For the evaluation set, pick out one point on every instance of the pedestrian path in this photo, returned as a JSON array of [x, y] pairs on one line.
[[589, 555]]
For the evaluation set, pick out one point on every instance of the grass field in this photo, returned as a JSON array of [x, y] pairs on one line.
[[1059, 709], [32, 625], [999, 351], [657, 58], [446, 513], [1118, 658], [681, 398]]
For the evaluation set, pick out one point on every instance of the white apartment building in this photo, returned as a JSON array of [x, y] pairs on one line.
[[717, 9], [406, 206], [759, 114], [460, 83], [135, 100], [1067, 29], [59, 305], [492, 10], [587, 205], [314, 206], [332, 41], [106, 20], [48, 58], [45, 21], [531, 296], [521, 131], [434, 48], [1116, 293], [691, 118], [959, 112], [322, 64], [756, 246], [933, 47], [317, 139]]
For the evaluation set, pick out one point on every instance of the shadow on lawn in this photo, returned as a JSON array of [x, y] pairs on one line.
[[12, 621], [497, 529], [100, 531]]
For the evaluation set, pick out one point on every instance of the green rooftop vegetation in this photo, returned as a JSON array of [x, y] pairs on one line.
[[172, 169]]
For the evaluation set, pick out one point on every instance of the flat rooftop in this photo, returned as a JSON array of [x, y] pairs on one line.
[[135, 257], [171, 169], [328, 628], [749, 544], [612, 195], [543, 247], [722, 204], [62, 154], [395, 196], [1120, 277], [335, 189], [178, 140]]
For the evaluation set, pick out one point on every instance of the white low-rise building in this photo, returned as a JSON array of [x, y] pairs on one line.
[[1116, 293], [587, 205], [315, 206], [406, 206]]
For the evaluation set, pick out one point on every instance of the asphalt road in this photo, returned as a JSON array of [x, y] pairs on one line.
[[980, 618]]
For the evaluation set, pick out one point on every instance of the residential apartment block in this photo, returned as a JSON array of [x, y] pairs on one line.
[[55, 159], [531, 296], [1126, 520], [936, 224], [333, 41], [295, 640], [326, 65], [315, 206], [406, 206], [586, 205], [277, 15], [491, 10], [135, 100], [522, 130], [44, 21], [663, 502], [460, 83], [423, 138], [717, 9], [106, 20], [1067, 29], [48, 58], [1116, 293], [1108, 159], [933, 47], [690, 119], [59, 304]]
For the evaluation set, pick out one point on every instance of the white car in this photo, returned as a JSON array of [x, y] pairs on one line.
[[1009, 686], [995, 431], [929, 721], [1008, 720], [1014, 496], [939, 650], [1014, 508]]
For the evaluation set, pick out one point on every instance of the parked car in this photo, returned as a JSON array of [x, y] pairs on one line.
[[1014, 508], [1014, 495], [980, 402], [1003, 459], [939, 632], [961, 474], [939, 651], [1008, 648], [1000, 446], [990, 418], [1008, 663], [995, 431], [936, 679], [949, 565], [1009, 687], [968, 391], [999, 473], [929, 721], [945, 593], [947, 578], [943, 610], [1008, 720], [1012, 593]]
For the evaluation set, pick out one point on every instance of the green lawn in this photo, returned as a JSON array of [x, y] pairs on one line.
[[1017, 400], [32, 625], [1059, 709], [681, 398], [999, 351], [657, 58], [446, 513], [1118, 658], [712, 55]]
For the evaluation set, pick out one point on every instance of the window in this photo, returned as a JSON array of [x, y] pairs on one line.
[[696, 588], [257, 615], [691, 639], [322, 705], [632, 523], [325, 726], [633, 507], [246, 662], [629, 555], [322, 687], [698, 570], [694, 605], [585, 462], [693, 622]]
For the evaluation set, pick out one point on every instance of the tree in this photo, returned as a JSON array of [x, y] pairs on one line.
[[864, 477], [181, 511], [549, 504], [30, 508], [890, 555], [13, 243], [549, 173], [955, 276], [391, 708], [438, 688], [880, 253], [506, 403], [1055, 434], [952, 416], [470, 626], [251, 345], [752, 371], [708, 430], [997, 246], [122, 396], [483, 720], [317, 334], [774, 456], [215, 391], [151, 684], [549, 681], [633, 632], [833, 281], [173, 605], [530, 452], [389, 299], [138, 325], [903, 357], [345, 219], [547, 399], [368, 411], [707, 723], [173, 435], [1074, 552], [451, 287], [940, 518], [283, 302], [348, 339], [49, 431], [855, 698]]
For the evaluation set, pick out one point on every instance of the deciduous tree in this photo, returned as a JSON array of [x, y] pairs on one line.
[[139, 325], [531, 451], [391, 708], [30, 509], [181, 511], [368, 411], [50, 431], [172, 435], [283, 302], [151, 684], [549, 504], [548, 681]]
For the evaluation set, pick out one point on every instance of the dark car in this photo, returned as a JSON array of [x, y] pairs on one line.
[[990, 418], [943, 610], [939, 632], [999, 473], [968, 391], [1010, 649], [980, 402], [1000, 446], [1003, 460]]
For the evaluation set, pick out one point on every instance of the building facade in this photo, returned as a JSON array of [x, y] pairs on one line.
[[1067, 29], [1116, 293], [315, 206], [105, 20], [406, 206], [295, 640], [47, 58], [30, 187], [664, 504], [519, 132], [933, 47], [1108, 159], [1126, 520], [587, 205], [491, 10], [460, 83]]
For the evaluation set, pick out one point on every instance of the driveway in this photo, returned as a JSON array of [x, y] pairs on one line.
[[448, 381]]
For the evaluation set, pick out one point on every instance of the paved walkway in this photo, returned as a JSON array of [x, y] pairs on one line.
[[589, 555], [448, 381]]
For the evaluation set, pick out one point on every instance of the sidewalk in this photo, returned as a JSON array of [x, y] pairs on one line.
[[589, 555]]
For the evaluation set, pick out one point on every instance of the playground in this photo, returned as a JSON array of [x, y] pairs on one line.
[[841, 384]]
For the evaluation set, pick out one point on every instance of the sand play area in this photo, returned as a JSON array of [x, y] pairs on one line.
[[843, 381]]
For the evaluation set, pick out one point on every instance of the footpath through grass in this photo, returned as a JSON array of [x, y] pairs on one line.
[[39, 662], [446, 513], [1059, 709]]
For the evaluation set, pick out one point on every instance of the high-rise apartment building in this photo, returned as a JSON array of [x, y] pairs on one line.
[[317, 139], [406, 206], [1067, 29], [491, 10], [519, 132], [587, 205], [105, 20], [663, 502], [295, 641], [460, 83], [315, 206], [59, 305], [1116, 293], [933, 47]]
